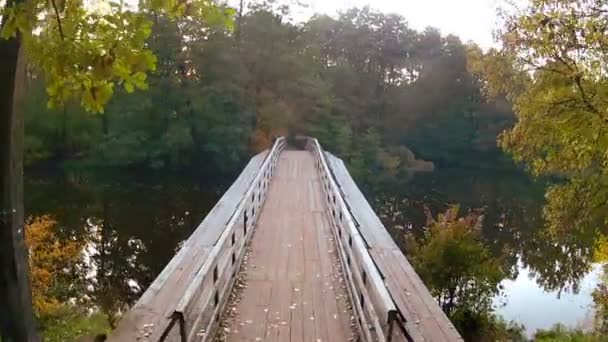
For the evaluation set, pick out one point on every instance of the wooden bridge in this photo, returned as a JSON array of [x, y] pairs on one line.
[[291, 252]]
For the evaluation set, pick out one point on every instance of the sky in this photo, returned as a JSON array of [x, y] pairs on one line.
[[473, 20], [468, 19]]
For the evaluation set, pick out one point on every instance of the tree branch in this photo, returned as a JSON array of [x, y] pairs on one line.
[[563, 61], [586, 101], [559, 103], [58, 18], [543, 67]]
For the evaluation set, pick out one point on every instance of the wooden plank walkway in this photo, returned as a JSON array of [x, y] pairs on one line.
[[294, 290], [296, 282]]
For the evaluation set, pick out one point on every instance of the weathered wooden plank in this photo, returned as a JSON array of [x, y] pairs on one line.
[[353, 282], [331, 266], [289, 253], [296, 317], [311, 277], [425, 318], [204, 298], [253, 318]]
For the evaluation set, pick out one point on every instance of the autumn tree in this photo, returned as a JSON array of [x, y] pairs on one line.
[[52, 259], [561, 108], [459, 270]]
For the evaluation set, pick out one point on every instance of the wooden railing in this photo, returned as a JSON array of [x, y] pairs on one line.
[[199, 310], [195, 298], [374, 310], [390, 302]]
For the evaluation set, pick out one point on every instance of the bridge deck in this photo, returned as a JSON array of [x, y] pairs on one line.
[[294, 289], [290, 286]]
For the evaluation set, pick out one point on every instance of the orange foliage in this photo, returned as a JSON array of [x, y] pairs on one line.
[[272, 120], [260, 141], [50, 257]]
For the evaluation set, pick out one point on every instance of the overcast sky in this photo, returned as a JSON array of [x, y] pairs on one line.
[[469, 19]]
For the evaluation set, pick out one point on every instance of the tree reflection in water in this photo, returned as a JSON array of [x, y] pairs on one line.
[[513, 228], [126, 232], [130, 229]]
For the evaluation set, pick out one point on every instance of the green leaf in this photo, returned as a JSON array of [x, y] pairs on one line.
[[129, 87]]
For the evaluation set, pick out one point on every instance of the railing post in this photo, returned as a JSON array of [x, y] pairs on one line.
[[394, 317], [176, 317]]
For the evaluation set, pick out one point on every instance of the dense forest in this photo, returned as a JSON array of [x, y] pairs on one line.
[[391, 101], [374, 91]]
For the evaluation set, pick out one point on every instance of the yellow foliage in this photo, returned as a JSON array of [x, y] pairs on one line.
[[601, 249], [49, 257], [389, 162]]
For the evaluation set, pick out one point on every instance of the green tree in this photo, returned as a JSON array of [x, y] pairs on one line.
[[561, 109], [331, 78], [459, 270], [560, 333]]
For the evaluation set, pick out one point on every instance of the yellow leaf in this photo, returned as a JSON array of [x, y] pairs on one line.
[[129, 87]]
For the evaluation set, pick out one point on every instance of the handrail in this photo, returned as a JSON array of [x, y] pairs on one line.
[[197, 313], [421, 318], [375, 320]]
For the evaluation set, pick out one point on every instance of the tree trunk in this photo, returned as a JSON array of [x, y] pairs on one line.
[[239, 20], [16, 316], [65, 149]]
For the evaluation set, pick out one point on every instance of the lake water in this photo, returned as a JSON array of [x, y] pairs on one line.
[[133, 225], [551, 278], [526, 302]]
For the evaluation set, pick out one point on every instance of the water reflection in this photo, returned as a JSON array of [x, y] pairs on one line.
[[552, 263], [541, 309], [129, 230]]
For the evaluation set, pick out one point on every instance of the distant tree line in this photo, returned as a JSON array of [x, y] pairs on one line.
[[373, 90]]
